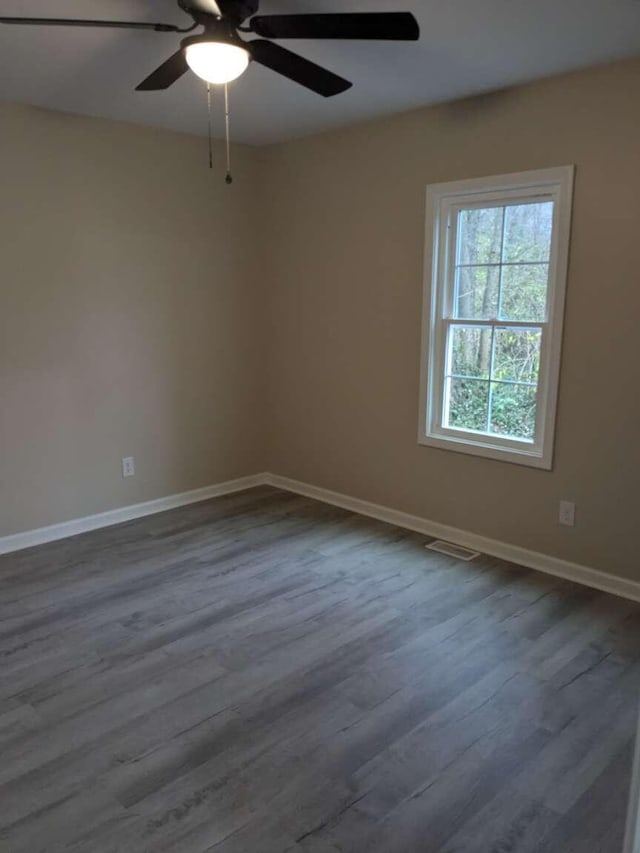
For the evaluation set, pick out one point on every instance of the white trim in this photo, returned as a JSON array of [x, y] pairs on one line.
[[433, 529], [555, 184], [513, 553], [42, 535]]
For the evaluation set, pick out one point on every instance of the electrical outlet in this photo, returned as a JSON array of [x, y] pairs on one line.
[[567, 513], [128, 466]]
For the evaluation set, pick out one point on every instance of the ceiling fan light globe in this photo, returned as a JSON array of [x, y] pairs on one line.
[[217, 62]]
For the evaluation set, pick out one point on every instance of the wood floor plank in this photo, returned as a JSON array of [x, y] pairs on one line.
[[265, 673]]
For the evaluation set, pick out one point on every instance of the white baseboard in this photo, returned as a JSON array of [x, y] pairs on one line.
[[513, 553], [18, 541]]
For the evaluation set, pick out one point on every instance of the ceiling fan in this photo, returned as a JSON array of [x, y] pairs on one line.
[[219, 54]]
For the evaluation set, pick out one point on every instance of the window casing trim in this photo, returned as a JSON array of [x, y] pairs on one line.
[[443, 203]]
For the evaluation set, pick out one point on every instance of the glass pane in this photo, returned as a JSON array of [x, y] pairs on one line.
[[516, 356], [470, 351], [524, 293], [480, 235], [477, 292], [527, 232], [513, 410], [468, 404]]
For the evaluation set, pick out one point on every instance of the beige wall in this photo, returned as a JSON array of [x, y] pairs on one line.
[[146, 309], [345, 238], [127, 323]]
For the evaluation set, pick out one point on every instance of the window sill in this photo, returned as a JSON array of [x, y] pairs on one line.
[[530, 459]]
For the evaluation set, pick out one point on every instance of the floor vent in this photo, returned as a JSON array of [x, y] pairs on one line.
[[452, 550]]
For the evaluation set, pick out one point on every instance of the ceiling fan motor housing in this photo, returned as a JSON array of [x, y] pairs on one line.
[[233, 11], [218, 30]]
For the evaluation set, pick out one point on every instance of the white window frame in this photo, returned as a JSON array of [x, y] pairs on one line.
[[443, 202]]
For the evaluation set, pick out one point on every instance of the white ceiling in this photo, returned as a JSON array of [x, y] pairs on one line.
[[467, 47]]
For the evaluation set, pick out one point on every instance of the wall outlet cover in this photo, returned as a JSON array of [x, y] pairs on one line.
[[567, 515], [128, 466]]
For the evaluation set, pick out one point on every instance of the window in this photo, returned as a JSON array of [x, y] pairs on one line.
[[496, 268]]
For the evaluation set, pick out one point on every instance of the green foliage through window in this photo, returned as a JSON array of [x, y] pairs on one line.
[[501, 278]]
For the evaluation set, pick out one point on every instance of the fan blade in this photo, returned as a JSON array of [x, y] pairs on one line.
[[166, 75], [77, 22], [297, 68], [393, 26]]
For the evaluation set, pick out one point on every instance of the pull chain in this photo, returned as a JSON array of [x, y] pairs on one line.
[[210, 126], [229, 178]]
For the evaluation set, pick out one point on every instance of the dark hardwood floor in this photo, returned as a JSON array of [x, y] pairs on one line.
[[262, 673]]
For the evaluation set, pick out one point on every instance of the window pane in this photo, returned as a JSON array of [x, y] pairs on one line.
[[513, 410], [477, 290], [524, 293], [516, 355], [480, 235], [470, 351], [468, 404], [527, 232]]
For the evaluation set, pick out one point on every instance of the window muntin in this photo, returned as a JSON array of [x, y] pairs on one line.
[[495, 296]]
